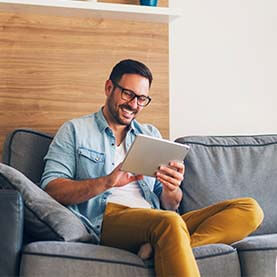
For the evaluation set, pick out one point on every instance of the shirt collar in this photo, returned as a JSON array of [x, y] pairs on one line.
[[101, 120], [132, 126]]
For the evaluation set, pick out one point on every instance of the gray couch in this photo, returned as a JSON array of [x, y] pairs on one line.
[[217, 168]]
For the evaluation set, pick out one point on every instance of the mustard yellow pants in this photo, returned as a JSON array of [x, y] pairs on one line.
[[172, 236]]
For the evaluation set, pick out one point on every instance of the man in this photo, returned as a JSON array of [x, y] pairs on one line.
[[83, 172]]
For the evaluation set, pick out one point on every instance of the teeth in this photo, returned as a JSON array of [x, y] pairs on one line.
[[127, 111]]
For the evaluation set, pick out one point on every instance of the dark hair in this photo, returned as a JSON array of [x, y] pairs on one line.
[[130, 67]]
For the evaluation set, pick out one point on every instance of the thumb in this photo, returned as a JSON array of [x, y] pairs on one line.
[[137, 177]]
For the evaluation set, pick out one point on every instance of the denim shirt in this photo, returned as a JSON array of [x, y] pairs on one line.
[[84, 148]]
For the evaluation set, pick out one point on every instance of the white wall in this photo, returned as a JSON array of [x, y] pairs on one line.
[[223, 68]]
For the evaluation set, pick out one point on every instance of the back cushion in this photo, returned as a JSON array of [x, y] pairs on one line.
[[24, 150], [219, 168]]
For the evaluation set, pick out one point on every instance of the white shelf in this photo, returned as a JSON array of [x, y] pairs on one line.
[[91, 9]]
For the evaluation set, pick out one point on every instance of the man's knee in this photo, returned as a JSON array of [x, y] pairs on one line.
[[173, 221], [253, 212]]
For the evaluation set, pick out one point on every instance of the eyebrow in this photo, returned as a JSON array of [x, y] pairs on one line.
[[132, 91]]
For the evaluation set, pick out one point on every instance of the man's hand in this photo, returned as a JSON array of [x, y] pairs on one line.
[[119, 178], [171, 177], [69, 192]]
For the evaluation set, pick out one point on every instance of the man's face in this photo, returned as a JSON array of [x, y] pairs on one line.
[[123, 111]]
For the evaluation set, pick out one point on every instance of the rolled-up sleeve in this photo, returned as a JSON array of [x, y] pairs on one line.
[[60, 161]]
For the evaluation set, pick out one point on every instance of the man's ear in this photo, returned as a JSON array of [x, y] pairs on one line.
[[108, 87]]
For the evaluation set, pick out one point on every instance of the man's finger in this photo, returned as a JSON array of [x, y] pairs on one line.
[[171, 172], [169, 179], [179, 166]]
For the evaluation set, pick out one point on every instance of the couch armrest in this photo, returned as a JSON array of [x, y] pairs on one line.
[[11, 232]]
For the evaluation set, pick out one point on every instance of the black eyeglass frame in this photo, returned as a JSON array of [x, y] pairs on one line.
[[134, 95]]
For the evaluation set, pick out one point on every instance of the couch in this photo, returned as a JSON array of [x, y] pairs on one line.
[[217, 168]]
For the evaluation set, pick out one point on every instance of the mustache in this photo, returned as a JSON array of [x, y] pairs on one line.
[[127, 107]]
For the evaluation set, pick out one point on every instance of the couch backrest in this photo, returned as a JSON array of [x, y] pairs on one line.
[[24, 150], [219, 168]]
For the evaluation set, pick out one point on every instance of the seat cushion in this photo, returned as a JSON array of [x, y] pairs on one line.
[[80, 259], [217, 260], [219, 168], [258, 255]]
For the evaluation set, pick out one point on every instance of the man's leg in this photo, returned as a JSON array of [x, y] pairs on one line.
[[224, 222], [128, 228]]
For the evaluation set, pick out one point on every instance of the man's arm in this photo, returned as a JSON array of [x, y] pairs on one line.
[[68, 192], [171, 177]]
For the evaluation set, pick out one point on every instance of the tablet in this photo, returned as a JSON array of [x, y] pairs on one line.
[[147, 153]]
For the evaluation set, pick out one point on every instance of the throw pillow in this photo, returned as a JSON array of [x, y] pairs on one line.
[[44, 218]]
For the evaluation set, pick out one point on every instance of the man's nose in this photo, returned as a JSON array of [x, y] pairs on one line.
[[133, 103]]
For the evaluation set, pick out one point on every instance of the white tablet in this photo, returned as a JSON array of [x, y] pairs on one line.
[[147, 153]]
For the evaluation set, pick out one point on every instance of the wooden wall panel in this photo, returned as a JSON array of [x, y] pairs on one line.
[[54, 68]]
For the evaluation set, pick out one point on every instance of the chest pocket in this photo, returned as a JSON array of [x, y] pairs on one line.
[[90, 163], [92, 155]]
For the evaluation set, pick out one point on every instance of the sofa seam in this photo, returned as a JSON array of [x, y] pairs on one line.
[[82, 258], [257, 249], [230, 145], [19, 235], [217, 255]]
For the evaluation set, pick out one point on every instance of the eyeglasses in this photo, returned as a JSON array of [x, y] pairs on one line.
[[129, 95]]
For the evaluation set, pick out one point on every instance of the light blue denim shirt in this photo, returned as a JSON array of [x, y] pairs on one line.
[[84, 148]]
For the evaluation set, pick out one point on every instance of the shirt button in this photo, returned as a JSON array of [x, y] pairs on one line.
[[97, 159], [112, 144], [112, 163]]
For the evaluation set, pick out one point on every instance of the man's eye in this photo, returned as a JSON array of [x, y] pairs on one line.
[[129, 93], [142, 98]]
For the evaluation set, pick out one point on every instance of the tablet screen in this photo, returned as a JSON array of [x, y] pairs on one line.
[[147, 153]]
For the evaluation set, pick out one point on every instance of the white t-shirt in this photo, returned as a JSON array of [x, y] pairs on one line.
[[129, 195]]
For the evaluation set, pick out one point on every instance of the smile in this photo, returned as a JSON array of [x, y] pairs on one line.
[[127, 111]]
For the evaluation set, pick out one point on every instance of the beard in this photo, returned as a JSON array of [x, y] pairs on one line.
[[117, 112]]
